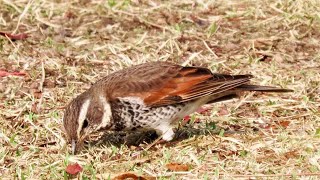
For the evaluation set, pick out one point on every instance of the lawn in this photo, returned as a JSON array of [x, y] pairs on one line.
[[59, 48]]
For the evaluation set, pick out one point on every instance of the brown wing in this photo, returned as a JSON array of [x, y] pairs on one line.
[[137, 80], [192, 83], [161, 83]]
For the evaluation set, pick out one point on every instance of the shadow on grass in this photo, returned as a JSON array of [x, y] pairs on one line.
[[142, 137]]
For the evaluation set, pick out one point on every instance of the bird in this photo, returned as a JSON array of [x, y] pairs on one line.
[[152, 95]]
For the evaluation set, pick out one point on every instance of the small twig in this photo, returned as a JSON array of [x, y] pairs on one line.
[[40, 19], [22, 110], [153, 143], [62, 141], [141, 39], [9, 3], [210, 50], [24, 12], [168, 174], [193, 55], [2, 135], [243, 100], [9, 39], [43, 76], [46, 144]]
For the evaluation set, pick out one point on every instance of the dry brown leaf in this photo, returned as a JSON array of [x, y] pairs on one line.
[[37, 94], [223, 111], [70, 15], [73, 169], [14, 36], [177, 167], [284, 124], [204, 111], [187, 118], [199, 21], [35, 108], [5, 73], [127, 176], [291, 154], [49, 83]]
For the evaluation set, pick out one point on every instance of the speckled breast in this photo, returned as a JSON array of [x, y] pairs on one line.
[[130, 115]]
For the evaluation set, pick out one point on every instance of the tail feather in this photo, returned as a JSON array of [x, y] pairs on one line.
[[248, 87]]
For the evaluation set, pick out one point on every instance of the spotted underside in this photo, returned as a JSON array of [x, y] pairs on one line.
[[131, 114]]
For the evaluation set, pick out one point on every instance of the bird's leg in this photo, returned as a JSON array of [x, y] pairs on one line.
[[166, 131]]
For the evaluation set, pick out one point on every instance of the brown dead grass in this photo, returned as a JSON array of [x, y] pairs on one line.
[[73, 44]]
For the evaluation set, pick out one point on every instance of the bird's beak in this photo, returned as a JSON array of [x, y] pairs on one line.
[[77, 144], [73, 146]]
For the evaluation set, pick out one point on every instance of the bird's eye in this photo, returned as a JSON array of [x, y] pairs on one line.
[[85, 123]]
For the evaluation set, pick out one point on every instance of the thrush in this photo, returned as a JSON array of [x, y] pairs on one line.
[[152, 95]]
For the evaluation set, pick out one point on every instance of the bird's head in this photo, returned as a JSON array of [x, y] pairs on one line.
[[82, 117]]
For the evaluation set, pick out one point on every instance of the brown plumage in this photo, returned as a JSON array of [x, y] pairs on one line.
[[151, 95]]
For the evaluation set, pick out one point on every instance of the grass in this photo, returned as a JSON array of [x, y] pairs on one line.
[[73, 44]]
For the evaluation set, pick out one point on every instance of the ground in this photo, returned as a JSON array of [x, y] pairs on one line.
[[72, 44]]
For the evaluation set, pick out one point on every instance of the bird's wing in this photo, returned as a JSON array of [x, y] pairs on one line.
[[193, 83], [160, 84]]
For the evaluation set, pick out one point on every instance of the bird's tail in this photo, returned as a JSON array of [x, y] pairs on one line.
[[248, 87]]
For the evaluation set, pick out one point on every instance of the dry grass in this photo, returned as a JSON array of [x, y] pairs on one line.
[[72, 44]]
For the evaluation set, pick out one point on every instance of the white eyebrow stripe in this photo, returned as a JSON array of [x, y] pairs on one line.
[[106, 113], [82, 115]]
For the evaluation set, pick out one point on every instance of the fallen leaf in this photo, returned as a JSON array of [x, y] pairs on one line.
[[127, 176], [37, 94], [34, 85], [35, 108], [284, 124], [199, 21], [73, 169], [49, 84], [70, 15], [223, 111], [14, 36], [203, 111], [186, 118], [291, 154], [177, 167], [235, 127], [5, 73]]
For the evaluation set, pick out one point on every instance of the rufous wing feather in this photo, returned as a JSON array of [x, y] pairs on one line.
[[163, 83], [192, 83]]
